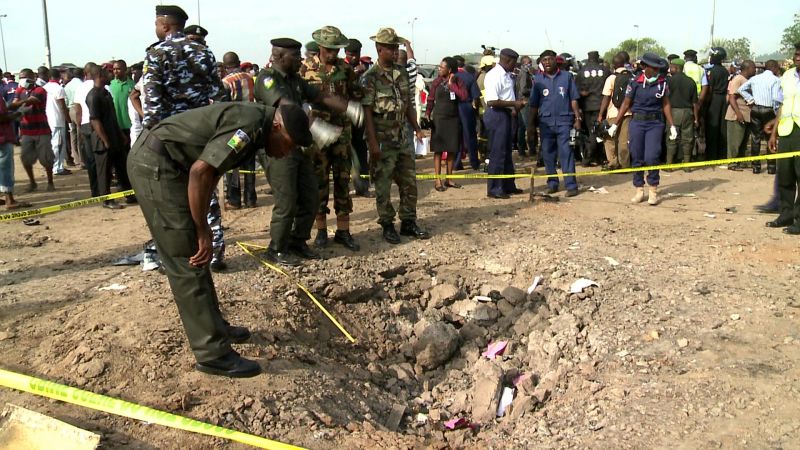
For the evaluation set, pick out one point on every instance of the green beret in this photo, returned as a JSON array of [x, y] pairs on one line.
[[677, 62], [312, 46]]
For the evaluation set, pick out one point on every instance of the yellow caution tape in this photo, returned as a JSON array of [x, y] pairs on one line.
[[122, 408], [64, 206], [717, 162], [246, 247]]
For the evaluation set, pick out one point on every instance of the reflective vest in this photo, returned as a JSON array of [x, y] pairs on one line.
[[695, 72], [790, 110]]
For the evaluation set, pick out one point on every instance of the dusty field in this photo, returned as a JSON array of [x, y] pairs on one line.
[[690, 340]]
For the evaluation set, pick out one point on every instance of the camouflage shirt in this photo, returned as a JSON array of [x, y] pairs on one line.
[[179, 75], [388, 93], [341, 80]]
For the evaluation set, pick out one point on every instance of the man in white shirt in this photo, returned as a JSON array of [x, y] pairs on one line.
[[56, 111], [501, 108], [82, 118], [73, 78]]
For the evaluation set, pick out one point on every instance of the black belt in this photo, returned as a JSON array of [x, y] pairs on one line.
[[760, 108], [652, 116], [388, 116]]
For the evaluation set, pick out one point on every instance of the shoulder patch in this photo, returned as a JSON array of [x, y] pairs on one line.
[[269, 82], [239, 141]]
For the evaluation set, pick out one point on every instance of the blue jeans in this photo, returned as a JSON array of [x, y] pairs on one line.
[[7, 168], [555, 145], [644, 142], [498, 126]]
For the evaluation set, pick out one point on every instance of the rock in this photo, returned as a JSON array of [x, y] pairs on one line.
[[472, 331], [522, 404], [481, 313], [443, 294], [5, 335], [497, 267], [735, 317], [92, 369], [456, 439], [505, 307], [393, 422], [436, 342], [514, 295], [487, 387], [683, 343]]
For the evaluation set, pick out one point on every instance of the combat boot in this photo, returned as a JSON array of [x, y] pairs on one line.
[[345, 238], [639, 195], [322, 238], [652, 198], [390, 234], [410, 228]]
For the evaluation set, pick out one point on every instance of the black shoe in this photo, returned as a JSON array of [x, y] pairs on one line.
[[390, 234], [551, 190], [345, 238], [410, 228], [771, 170], [302, 250], [499, 196], [282, 258], [516, 191], [756, 169], [792, 229], [131, 200], [322, 239], [238, 335], [572, 192], [231, 365], [768, 209], [218, 266], [111, 204], [779, 223]]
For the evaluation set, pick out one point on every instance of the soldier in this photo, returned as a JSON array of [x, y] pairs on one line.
[[180, 74], [294, 183], [387, 106], [174, 167], [329, 73]]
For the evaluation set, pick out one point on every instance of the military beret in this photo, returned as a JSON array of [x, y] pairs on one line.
[[677, 62], [172, 11], [508, 53], [195, 29], [312, 46], [353, 45], [295, 120], [285, 43]]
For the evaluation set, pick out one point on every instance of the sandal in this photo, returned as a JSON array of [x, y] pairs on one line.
[[440, 188], [454, 185], [31, 222]]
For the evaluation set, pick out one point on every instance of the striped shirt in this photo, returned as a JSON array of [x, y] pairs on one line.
[[411, 68], [761, 89], [34, 122], [240, 85]]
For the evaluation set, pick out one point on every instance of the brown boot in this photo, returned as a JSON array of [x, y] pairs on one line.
[[639, 195], [652, 197]]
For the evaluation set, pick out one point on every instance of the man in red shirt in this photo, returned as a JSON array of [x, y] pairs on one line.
[[34, 130]]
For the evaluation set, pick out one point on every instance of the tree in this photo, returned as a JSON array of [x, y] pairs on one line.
[[791, 36], [645, 44], [737, 49]]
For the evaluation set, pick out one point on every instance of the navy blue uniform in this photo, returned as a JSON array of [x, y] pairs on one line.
[[553, 95], [468, 121], [647, 126]]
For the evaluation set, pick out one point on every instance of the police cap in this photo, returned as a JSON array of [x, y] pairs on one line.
[[690, 53], [296, 123], [286, 43], [172, 11], [196, 29], [509, 53]]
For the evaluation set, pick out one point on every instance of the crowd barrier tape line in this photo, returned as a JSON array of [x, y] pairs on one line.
[[62, 207], [247, 249], [122, 408], [716, 162]]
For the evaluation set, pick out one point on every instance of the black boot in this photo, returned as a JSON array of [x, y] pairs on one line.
[[390, 234], [345, 238], [410, 228], [772, 167], [322, 238], [302, 250], [757, 167], [231, 365]]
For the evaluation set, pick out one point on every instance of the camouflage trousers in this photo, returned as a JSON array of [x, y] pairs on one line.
[[395, 164], [334, 159], [215, 222]]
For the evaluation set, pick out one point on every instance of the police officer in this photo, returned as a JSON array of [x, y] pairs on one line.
[[647, 96], [180, 74], [554, 106], [716, 146], [196, 33], [590, 81], [174, 167], [327, 72], [293, 180], [387, 107]]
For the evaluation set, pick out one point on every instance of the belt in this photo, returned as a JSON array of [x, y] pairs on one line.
[[761, 108], [651, 116], [500, 109], [388, 116]]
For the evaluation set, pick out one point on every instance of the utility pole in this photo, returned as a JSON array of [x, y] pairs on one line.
[[637, 42], [198, 12], [713, 19], [411, 22], [46, 35], [3, 38]]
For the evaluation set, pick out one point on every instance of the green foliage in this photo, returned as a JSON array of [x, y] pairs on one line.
[[737, 49], [791, 36], [646, 44]]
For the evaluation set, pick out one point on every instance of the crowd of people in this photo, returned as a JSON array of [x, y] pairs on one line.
[[171, 126]]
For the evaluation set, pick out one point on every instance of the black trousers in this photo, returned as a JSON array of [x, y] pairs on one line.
[[759, 116], [789, 177], [87, 153], [716, 145], [361, 162]]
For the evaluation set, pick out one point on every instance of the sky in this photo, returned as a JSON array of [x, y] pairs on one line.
[[101, 30]]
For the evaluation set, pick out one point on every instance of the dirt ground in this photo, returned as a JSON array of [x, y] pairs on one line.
[[690, 339]]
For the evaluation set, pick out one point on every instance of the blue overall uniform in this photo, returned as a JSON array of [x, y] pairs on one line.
[[553, 97], [647, 126], [499, 86]]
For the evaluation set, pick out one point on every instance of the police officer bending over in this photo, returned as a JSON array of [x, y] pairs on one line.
[[174, 168]]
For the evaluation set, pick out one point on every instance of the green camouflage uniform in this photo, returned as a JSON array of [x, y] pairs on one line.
[[336, 158], [388, 93]]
